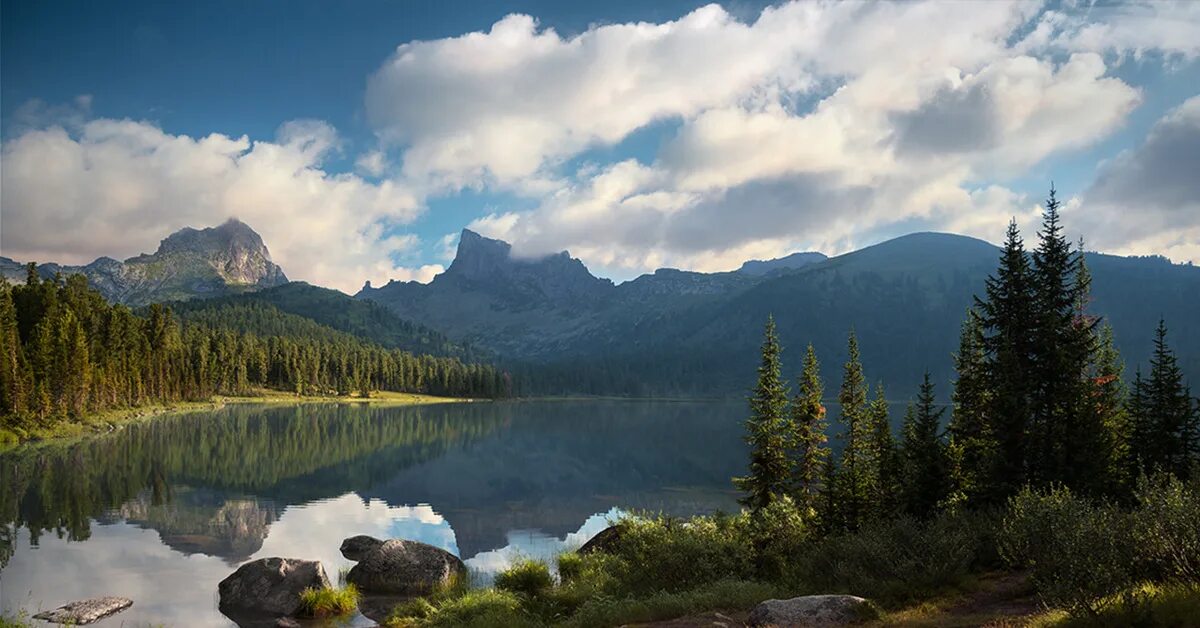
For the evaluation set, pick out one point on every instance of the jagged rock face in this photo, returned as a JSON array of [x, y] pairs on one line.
[[490, 263], [189, 263]]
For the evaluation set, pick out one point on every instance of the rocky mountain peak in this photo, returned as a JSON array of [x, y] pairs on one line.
[[487, 261]]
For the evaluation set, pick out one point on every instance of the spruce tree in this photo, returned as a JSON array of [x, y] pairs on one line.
[[767, 430], [1168, 423], [809, 448], [886, 473], [925, 462], [1007, 317], [855, 481], [973, 443]]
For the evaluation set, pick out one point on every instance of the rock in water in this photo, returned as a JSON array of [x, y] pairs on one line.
[[814, 611], [270, 586], [399, 567], [86, 611]]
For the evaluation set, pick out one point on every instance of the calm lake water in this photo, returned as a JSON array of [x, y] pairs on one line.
[[161, 511]]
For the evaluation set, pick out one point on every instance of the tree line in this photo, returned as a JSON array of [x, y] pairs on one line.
[[1040, 400], [65, 352]]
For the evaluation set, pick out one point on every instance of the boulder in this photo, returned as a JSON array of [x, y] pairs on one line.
[[85, 611], [399, 567], [813, 611], [270, 586], [356, 548], [603, 542]]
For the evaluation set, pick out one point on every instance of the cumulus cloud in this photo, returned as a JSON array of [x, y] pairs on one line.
[[811, 126], [1148, 199], [92, 187]]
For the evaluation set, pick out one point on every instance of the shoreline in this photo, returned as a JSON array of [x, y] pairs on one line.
[[112, 420]]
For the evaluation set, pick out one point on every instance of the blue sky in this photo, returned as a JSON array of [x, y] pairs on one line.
[[635, 134]]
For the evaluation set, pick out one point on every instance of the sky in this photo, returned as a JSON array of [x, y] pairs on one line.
[[360, 138]]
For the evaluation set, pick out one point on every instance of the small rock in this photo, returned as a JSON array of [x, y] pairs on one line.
[[270, 586], [86, 611], [813, 611], [399, 567], [603, 542], [286, 622]]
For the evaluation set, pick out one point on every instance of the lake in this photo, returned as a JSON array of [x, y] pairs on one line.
[[162, 510]]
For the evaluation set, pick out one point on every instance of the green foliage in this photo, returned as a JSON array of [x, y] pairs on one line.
[[722, 595], [1079, 553], [926, 470], [1166, 423], [570, 566], [809, 451], [893, 561], [328, 602], [767, 430], [1166, 528], [525, 577], [66, 354], [482, 608]]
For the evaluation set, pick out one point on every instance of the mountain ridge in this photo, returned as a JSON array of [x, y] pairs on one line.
[[189, 263]]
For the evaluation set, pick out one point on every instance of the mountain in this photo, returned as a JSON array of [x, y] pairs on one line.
[[190, 263], [330, 309], [790, 262], [676, 332]]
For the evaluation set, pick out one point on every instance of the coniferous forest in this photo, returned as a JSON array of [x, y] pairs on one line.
[[66, 353]]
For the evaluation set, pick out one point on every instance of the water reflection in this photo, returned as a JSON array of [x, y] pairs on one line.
[[160, 512]]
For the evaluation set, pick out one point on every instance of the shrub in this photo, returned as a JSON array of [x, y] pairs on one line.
[[1079, 553], [526, 577], [1166, 529], [893, 561], [570, 566], [1146, 605], [328, 602], [722, 595]]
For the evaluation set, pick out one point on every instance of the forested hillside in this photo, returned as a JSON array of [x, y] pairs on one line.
[[366, 320], [678, 333], [66, 353]]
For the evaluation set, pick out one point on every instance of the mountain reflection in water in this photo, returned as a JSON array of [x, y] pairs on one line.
[[161, 511]]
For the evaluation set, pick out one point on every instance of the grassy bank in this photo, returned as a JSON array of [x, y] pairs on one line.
[[109, 420]]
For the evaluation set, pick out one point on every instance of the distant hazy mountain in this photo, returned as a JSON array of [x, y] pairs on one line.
[[793, 261], [678, 332], [189, 263]]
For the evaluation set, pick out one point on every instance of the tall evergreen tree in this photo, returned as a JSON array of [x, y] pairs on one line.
[[809, 448], [855, 481], [887, 475], [767, 430], [926, 465], [1007, 316], [1167, 425], [973, 443]]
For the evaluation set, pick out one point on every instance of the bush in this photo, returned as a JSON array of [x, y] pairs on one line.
[[483, 608], [723, 595], [1080, 554], [570, 566], [526, 577], [1166, 529], [328, 602], [1146, 605], [894, 561]]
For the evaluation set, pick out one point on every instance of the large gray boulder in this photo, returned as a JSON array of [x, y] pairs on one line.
[[85, 611], [813, 611], [269, 586], [399, 567]]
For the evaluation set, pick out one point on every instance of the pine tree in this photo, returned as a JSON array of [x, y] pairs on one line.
[[1106, 423], [886, 473], [809, 449], [767, 430], [1007, 317], [855, 482], [925, 461], [1167, 423], [973, 444]]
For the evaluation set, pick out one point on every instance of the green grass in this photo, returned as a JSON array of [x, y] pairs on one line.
[[329, 602], [21, 620], [720, 596], [1144, 605], [526, 577]]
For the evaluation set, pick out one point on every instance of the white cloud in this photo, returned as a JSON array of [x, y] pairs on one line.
[[115, 187], [812, 126], [1158, 180]]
